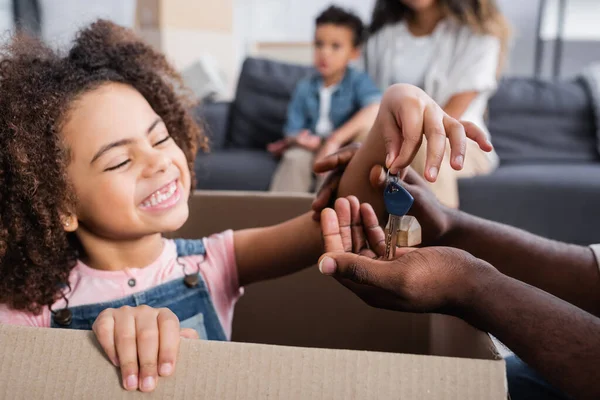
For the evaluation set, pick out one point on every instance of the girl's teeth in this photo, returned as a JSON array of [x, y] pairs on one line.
[[158, 197]]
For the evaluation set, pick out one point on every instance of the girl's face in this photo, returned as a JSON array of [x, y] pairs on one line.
[[130, 178]]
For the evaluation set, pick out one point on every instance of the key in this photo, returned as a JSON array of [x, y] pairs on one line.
[[397, 203]]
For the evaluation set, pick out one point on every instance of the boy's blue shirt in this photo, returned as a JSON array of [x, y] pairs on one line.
[[356, 91]]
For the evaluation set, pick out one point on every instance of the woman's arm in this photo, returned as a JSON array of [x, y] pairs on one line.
[[459, 103]]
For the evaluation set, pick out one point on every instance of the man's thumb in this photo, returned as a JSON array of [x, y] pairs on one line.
[[350, 266]]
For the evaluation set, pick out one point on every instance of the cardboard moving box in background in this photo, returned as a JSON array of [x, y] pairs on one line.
[[305, 309]]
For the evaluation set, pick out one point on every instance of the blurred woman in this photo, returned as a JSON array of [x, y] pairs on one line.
[[454, 50]]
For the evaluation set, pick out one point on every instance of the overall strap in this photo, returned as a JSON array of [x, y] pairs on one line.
[[190, 247]]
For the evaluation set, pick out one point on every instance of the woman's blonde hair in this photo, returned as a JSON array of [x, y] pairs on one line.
[[483, 16]]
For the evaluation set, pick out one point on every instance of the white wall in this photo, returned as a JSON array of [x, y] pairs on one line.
[[581, 22], [292, 20], [582, 34], [61, 19], [286, 20], [6, 17]]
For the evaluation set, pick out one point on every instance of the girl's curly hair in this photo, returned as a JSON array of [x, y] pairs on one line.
[[38, 87]]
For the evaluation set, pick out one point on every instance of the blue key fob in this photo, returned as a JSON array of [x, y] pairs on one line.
[[397, 199]]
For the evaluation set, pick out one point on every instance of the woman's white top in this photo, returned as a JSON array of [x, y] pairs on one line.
[[452, 60]]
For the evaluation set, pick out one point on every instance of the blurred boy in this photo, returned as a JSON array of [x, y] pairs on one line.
[[332, 107]]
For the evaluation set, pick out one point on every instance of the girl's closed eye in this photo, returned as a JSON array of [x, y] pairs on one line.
[[118, 166], [165, 139]]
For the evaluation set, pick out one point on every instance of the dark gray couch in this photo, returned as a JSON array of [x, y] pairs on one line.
[[241, 130], [548, 181]]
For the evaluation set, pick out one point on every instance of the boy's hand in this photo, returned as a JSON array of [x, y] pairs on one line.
[[308, 141], [278, 148], [407, 114], [141, 336]]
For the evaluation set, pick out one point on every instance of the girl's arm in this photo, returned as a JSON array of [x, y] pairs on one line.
[[278, 250]]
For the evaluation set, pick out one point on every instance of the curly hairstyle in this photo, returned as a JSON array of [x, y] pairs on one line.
[[38, 88]]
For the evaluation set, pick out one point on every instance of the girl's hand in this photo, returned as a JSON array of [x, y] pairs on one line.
[[141, 336], [407, 114]]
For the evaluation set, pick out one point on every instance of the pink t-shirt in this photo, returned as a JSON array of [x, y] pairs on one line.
[[89, 286]]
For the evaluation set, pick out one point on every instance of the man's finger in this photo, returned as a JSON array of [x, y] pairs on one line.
[[330, 230], [413, 178], [477, 135], [325, 194], [337, 159], [359, 269], [377, 177]]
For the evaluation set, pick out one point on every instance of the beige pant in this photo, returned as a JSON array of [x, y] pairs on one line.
[[446, 186], [295, 172]]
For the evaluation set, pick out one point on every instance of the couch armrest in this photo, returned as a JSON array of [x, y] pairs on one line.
[[214, 120]]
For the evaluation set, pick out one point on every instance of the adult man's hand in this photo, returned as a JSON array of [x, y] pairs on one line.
[[433, 279], [329, 147]]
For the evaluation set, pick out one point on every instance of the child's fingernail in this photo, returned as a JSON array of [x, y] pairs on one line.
[[166, 369], [115, 361], [327, 266], [148, 383], [459, 160], [433, 171], [131, 382], [388, 160]]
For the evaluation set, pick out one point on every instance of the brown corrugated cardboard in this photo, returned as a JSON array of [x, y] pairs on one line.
[[63, 364], [305, 309]]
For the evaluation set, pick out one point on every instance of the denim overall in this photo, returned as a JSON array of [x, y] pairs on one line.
[[188, 298]]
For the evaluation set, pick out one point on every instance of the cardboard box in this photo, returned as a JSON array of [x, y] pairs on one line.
[[309, 327]]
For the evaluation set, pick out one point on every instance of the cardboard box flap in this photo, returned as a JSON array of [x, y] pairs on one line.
[[42, 363]]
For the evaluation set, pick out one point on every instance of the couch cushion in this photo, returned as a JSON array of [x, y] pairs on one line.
[[260, 106], [541, 121], [556, 201], [213, 117], [235, 169]]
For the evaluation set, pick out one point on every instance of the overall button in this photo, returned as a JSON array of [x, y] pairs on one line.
[[131, 282], [63, 317], [191, 281]]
